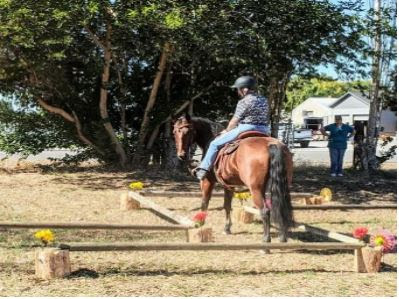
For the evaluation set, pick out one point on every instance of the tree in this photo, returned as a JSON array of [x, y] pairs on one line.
[[381, 27]]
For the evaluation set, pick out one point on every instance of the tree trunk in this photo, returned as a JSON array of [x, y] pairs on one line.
[[104, 98], [375, 101], [276, 96], [123, 96], [154, 91], [141, 158]]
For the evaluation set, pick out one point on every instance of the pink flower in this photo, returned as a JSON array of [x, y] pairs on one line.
[[385, 239], [360, 233], [199, 218]]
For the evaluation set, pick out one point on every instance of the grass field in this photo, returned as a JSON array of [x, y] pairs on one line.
[[91, 194]]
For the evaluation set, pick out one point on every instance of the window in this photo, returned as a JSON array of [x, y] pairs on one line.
[[307, 113]]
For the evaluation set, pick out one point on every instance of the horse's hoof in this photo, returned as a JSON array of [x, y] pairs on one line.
[[227, 232], [266, 239], [283, 239], [264, 251]]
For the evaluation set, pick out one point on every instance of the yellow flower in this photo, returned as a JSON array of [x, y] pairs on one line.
[[136, 186], [379, 241], [326, 194], [46, 236], [242, 195]]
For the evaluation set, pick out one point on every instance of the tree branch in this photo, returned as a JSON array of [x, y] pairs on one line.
[[95, 38], [82, 136], [56, 110]]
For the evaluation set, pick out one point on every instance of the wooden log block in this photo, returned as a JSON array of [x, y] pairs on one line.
[[242, 216], [359, 262], [371, 259], [52, 263], [128, 203], [200, 235], [313, 200]]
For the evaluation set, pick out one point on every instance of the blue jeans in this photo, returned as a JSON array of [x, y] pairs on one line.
[[219, 141], [337, 159]]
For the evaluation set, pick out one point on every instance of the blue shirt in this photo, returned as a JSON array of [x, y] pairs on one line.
[[253, 109], [338, 135]]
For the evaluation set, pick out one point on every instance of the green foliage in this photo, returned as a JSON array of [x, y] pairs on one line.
[[173, 20], [31, 132]]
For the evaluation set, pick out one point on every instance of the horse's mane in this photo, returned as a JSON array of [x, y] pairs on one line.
[[216, 127]]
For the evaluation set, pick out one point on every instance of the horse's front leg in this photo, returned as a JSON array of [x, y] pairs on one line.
[[228, 195], [206, 189]]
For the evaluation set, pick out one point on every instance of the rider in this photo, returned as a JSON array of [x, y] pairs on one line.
[[251, 114]]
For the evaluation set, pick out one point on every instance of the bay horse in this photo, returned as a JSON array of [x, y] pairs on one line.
[[257, 163]]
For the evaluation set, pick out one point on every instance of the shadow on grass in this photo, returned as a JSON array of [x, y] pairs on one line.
[[118, 180], [388, 268], [83, 272]]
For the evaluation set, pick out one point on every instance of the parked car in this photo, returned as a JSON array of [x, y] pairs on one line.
[[289, 135]]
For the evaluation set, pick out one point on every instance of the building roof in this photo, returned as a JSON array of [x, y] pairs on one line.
[[358, 95], [326, 102], [330, 103]]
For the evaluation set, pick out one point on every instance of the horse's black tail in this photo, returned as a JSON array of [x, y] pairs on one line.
[[282, 213]]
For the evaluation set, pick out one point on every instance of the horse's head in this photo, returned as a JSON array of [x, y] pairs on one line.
[[183, 131]]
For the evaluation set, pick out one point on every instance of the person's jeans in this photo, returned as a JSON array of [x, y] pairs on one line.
[[337, 159], [219, 141]]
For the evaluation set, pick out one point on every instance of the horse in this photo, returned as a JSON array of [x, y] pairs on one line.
[[257, 163]]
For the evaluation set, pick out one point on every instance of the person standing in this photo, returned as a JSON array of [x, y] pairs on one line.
[[337, 143]]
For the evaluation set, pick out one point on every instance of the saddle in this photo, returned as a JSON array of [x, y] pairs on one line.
[[227, 150]]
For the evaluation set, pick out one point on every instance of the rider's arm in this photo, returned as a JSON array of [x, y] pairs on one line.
[[232, 124]]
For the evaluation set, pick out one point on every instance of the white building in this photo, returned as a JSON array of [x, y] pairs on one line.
[[352, 106]]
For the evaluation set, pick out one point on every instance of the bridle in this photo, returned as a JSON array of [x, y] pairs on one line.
[[191, 133]]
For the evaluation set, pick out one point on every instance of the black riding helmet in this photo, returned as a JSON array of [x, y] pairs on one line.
[[244, 82]]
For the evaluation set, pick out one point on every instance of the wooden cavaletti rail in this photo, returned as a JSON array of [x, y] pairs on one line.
[[54, 261]]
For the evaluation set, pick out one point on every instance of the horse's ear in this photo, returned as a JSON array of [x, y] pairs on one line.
[[187, 116]]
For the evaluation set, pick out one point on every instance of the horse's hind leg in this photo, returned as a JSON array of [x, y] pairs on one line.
[[259, 200], [228, 195]]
